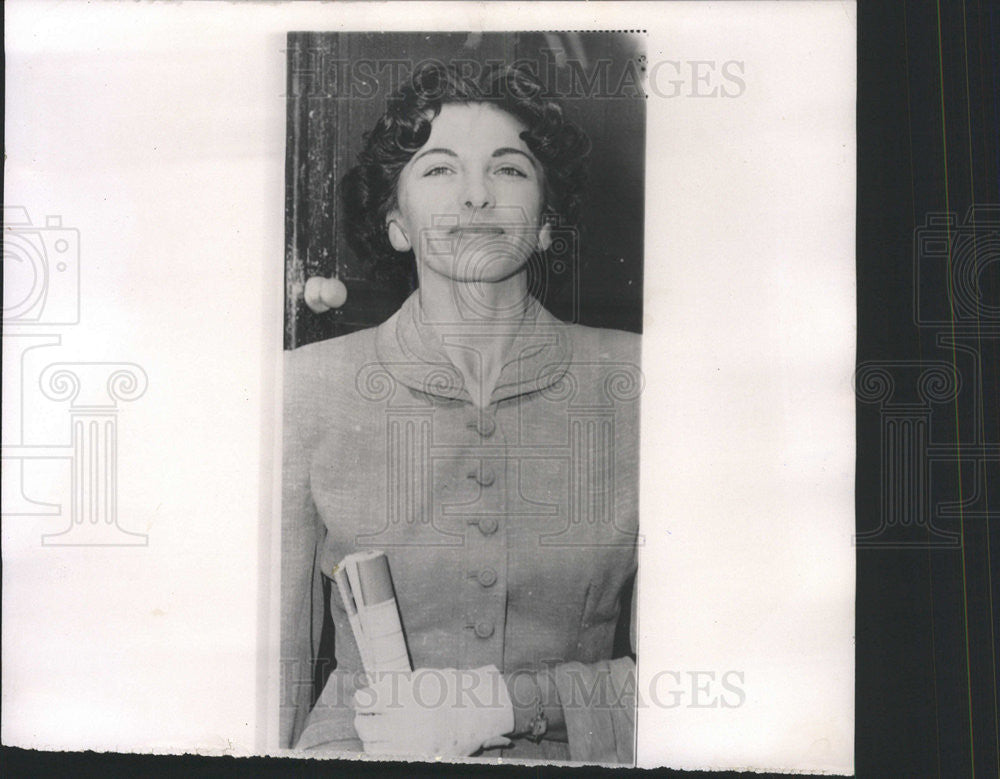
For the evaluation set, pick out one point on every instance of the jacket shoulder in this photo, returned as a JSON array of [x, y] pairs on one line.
[[604, 344], [325, 370]]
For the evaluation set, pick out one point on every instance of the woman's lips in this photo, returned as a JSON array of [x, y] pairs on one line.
[[477, 230]]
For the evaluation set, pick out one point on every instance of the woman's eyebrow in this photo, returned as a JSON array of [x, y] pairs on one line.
[[436, 150], [505, 150]]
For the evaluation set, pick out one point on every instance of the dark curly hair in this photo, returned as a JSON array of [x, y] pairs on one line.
[[369, 189]]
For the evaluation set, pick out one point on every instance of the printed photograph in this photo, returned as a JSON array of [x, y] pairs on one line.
[[464, 221]]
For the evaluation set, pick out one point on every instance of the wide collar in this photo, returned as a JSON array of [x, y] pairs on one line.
[[413, 353]]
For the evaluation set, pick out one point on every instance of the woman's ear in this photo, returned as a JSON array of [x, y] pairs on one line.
[[397, 238], [545, 237]]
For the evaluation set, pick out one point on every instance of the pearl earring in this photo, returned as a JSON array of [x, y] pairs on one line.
[[397, 238], [545, 237]]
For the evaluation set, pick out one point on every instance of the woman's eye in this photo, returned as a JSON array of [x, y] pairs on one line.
[[510, 170], [438, 170]]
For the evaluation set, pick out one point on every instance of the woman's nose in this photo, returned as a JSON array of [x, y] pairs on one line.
[[478, 193]]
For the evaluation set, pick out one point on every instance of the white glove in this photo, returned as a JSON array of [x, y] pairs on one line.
[[434, 712]]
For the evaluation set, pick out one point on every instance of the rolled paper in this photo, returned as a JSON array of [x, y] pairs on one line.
[[376, 581], [344, 586], [365, 585], [385, 637]]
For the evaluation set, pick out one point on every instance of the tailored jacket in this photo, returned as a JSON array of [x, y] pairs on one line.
[[510, 528]]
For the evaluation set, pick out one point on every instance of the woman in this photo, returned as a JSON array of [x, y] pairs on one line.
[[488, 448]]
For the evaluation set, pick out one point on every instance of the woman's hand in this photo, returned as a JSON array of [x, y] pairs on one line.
[[434, 711]]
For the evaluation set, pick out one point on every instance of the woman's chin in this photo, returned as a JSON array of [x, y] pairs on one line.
[[485, 273]]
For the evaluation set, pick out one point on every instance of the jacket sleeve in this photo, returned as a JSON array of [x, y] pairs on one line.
[[591, 705], [598, 700], [598, 703], [330, 720], [300, 536], [604, 734], [329, 724]]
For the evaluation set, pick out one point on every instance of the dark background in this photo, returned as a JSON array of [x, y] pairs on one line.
[[593, 277], [927, 624], [928, 463]]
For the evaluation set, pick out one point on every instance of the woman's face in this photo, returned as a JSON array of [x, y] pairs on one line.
[[470, 201]]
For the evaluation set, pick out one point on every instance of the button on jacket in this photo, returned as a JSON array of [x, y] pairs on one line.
[[510, 529]]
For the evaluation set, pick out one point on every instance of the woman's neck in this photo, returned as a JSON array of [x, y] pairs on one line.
[[476, 323]]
